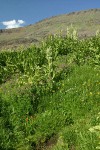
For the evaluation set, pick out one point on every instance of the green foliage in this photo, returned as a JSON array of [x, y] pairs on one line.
[[50, 90], [96, 130]]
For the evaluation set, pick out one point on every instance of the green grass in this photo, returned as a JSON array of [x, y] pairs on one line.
[[50, 95]]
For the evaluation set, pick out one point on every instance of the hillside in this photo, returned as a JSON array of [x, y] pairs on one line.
[[86, 22]]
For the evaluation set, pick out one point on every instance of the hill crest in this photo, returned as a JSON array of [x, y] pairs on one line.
[[86, 22]]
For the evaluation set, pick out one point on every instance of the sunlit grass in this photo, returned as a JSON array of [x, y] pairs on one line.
[[52, 91]]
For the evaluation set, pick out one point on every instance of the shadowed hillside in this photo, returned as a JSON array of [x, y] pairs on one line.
[[86, 22]]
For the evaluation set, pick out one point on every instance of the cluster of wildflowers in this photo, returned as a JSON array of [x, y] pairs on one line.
[[72, 33]]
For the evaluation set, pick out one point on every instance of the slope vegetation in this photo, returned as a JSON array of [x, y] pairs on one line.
[[50, 95]]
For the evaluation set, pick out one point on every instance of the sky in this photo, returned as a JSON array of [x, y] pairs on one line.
[[17, 13]]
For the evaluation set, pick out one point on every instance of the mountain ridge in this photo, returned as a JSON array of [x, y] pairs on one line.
[[86, 22]]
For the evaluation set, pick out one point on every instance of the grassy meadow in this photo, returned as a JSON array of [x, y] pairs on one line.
[[50, 95]]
